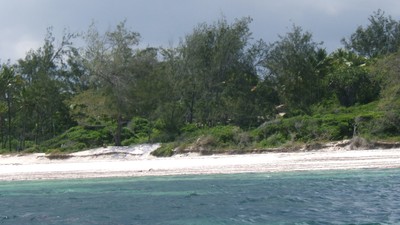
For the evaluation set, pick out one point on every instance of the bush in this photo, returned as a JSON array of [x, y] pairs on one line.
[[140, 126], [56, 154], [225, 134], [33, 149], [243, 139], [360, 143], [142, 131], [88, 137], [274, 140], [205, 144], [158, 136], [130, 141], [166, 150], [79, 138], [341, 123], [189, 128], [389, 124]]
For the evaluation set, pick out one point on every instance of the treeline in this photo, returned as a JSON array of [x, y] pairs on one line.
[[110, 91]]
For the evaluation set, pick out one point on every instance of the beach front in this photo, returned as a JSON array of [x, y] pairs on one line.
[[127, 163]]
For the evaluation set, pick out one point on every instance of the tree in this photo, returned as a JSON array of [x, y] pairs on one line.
[[215, 73], [387, 69], [108, 59], [7, 90], [380, 37], [167, 89], [145, 91], [350, 79], [43, 113], [156, 92], [295, 63]]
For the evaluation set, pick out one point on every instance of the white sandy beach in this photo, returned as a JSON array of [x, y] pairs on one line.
[[123, 162]]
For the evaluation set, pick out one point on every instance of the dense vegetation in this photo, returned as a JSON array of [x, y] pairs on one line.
[[218, 90]]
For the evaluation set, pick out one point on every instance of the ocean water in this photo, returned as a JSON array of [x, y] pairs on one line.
[[334, 197]]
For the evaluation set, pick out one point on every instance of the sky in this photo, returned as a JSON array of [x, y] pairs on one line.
[[165, 22]]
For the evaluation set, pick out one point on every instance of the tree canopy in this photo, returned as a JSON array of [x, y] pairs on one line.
[[380, 37], [112, 91]]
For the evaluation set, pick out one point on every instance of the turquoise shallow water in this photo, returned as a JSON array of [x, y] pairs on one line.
[[338, 197]]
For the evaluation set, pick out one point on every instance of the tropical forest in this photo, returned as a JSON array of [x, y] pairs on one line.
[[219, 90]]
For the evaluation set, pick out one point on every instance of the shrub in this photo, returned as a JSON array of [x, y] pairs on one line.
[[272, 141], [225, 134], [82, 135], [33, 149], [340, 124], [189, 128], [243, 139], [360, 143], [140, 127], [166, 150], [206, 142], [129, 141], [57, 154], [79, 138]]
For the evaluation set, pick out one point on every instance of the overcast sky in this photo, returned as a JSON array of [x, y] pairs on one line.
[[165, 22]]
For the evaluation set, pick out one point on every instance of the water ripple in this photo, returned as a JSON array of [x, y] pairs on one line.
[[345, 197]]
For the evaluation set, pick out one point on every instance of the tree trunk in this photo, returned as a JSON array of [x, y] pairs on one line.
[[191, 108], [2, 132], [117, 137], [9, 121]]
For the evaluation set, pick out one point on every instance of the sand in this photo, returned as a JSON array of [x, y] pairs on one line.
[[136, 161]]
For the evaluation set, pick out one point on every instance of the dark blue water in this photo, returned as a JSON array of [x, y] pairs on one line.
[[341, 197]]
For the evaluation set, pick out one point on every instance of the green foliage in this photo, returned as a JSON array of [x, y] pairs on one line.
[[189, 128], [274, 140], [140, 127], [340, 123], [217, 72], [387, 69], [294, 62], [89, 108], [79, 138], [224, 134], [41, 91], [380, 37], [209, 140], [140, 130], [108, 59], [350, 79], [166, 150], [218, 91]]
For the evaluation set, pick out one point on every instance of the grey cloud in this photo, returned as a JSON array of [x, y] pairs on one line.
[[161, 22]]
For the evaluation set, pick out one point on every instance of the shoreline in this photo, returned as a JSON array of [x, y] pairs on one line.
[[90, 164]]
